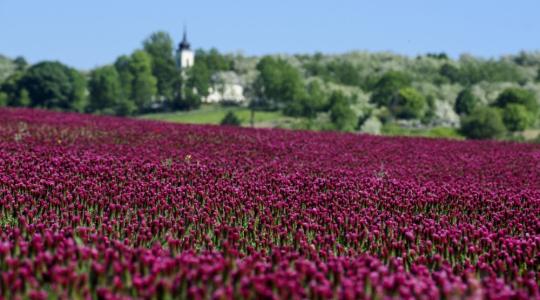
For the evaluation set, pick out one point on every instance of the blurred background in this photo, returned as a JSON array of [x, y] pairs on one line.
[[454, 69]]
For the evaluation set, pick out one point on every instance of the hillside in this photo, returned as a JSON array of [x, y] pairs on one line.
[[354, 92]]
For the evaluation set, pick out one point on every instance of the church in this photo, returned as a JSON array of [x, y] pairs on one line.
[[225, 87], [185, 57]]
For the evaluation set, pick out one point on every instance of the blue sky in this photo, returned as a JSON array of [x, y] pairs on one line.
[[88, 33]]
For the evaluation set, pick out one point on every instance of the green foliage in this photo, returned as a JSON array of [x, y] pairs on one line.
[[144, 85], [230, 119], [441, 55], [137, 81], [20, 63], [483, 123], [343, 72], [313, 101], [3, 99], [199, 79], [186, 97], [12, 89], [191, 86], [54, 85], [159, 46], [7, 67], [338, 71], [23, 99], [341, 114], [408, 104], [213, 60], [451, 72], [466, 101], [475, 70], [277, 84], [122, 66], [518, 96], [516, 117], [105, 90], [388, 87]]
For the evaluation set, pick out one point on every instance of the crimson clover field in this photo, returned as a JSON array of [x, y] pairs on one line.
[[111, 208]]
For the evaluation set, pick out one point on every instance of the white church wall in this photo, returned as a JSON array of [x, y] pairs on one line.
[[187, 59]]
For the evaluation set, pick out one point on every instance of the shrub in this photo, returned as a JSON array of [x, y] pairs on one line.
[[231, 119], [466, 101], [516, 117], [408, 104], [483, 123]]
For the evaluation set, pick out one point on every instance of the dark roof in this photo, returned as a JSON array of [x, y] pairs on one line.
[[184, 44]]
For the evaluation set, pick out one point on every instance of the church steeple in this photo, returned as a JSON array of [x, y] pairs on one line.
[[184, 44], [184, 56]]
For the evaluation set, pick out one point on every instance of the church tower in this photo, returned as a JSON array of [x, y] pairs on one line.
[[184, 56]]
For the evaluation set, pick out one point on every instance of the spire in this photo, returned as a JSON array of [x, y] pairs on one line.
[[184, 45]]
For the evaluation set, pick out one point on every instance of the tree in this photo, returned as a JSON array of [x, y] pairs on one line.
[[122, 66], [314, 100], [20, 63], [198, 78], [277, 84], [54, 85], [341, 114], [516, 117], [24, 98], [483, 123], [344, 72], [518, 96], [105, 90], [213, 60], [12, 89], [388, 86], [451, 72], [186, 97], [408, 104], [159, 46], [3, 99], [230, 119], [466, 101], [144, 84]]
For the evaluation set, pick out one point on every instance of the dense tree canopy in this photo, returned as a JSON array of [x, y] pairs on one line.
[[105, 90], [466, 101], [388, 87], [341, 114], [15, 94], [51, 84], [138, 83], [451, 72], [516, 117], [518, 96], [213, 60], [408, 104], [278, 83], [483, 123], [159, 46], [122, 66], [313, 101]]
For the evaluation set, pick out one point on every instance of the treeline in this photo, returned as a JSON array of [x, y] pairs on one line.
[[355, 91], [410, 95], [145, 81]]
